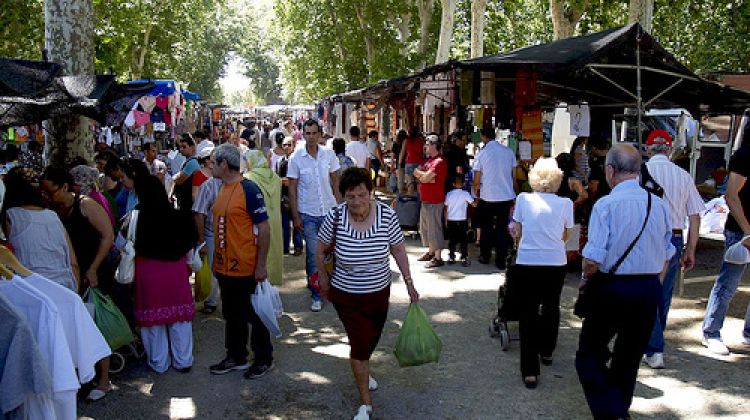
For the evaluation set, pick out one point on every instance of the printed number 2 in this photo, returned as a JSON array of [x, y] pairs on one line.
[[233, 263]]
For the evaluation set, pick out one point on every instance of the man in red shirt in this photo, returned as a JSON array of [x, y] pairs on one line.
[[431, 176]]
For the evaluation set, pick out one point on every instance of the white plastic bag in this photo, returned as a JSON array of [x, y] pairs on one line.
[[737, 253], [267, 305], [194, 258], [126, 269]]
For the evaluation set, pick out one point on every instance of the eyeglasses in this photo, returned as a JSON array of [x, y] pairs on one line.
[[286, 144]]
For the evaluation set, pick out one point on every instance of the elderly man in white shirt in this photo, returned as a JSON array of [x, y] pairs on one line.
[[683, 202], [313, 191], [626, 254], [493, 184]]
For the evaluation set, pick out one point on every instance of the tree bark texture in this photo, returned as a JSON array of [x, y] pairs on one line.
[[478, 7], [642, 11], [565, 17], [425, 8], [69, 40], [446, 31], [359, 10]]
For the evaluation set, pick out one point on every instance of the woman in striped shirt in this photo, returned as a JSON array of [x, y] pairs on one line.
[[365, 233]]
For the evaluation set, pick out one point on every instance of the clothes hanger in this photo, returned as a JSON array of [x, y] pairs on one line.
[[10, 263]]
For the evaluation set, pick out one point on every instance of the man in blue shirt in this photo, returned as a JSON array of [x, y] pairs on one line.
[[182, 182], [624, 304]]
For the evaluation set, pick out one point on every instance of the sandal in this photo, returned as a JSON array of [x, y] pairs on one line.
[[434, 263], [531, 382], [426, 257], [97, 394]]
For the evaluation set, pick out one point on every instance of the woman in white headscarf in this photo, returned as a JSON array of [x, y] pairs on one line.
[[269, 183]]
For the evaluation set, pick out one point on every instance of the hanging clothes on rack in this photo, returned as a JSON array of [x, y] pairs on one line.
[[25, 381], [46, 326]]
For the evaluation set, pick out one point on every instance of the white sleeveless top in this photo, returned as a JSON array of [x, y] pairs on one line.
[[39, 239]]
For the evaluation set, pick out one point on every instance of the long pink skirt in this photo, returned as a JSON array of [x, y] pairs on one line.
[[162, 292]]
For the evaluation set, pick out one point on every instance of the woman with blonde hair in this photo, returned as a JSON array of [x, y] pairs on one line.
[[542, 222]]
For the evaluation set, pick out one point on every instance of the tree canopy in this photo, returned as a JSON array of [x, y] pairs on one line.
[[302, 51]]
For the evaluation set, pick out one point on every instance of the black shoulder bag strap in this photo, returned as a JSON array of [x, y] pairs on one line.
[[614, 268]]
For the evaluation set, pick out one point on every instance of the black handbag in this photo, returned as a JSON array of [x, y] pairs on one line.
[[589, 295]]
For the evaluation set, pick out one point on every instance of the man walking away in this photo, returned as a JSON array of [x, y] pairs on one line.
[[494, 169], [240, 264], [357, 149], [683, 201], [633, 224]]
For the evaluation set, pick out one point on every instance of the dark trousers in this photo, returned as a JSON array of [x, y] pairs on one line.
[[625, 308], [289, 232], [493, 220], [457, 236], [539, 313], [238, 310]]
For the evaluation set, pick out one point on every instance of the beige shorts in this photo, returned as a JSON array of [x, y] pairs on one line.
[[431, 225]]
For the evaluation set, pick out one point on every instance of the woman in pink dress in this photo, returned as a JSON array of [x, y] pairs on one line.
[[164, 305]]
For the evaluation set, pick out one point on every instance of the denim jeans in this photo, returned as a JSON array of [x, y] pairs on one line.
[[289, 232], [723, 291], [310, 227], [656, 342]]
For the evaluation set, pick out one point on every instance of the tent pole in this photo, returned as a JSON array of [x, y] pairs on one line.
[[639, 99]]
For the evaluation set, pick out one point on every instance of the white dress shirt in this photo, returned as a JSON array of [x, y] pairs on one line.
[[496, 163], [314, 192], [680, 194], [616, 220]]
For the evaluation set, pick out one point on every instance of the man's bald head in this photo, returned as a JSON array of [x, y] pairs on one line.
[[624, 159]]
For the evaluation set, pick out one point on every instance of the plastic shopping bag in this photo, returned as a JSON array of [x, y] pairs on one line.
[[203, 281], [194, 258], [266, 302], [126, 268], [417, 342], [110, 321], [737, 253]]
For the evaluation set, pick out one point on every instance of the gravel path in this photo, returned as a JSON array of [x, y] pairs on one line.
[[474, 379]]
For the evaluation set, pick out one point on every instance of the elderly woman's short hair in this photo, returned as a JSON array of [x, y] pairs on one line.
[[545, 176], [353, 177]]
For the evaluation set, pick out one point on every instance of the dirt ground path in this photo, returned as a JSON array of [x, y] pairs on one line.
[[474, 379]]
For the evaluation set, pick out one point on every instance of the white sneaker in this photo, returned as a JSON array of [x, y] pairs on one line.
[[372, 384], [715, 345], [655, 361], [363, 413], [316, 306]]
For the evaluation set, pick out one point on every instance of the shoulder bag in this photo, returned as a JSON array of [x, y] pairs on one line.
[[329, 255], [590, 293]]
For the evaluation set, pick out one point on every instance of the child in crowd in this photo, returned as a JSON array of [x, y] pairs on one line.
[[456, 203]]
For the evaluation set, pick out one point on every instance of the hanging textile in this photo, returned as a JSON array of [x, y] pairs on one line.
[[487, 90], [580, 120], [466, 83]]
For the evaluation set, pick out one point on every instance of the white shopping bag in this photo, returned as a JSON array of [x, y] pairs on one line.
[[737, 253], [267, 305]]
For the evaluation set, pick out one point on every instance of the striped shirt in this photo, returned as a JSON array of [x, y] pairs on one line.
[[362, 258], [680, 193], [204, 203]]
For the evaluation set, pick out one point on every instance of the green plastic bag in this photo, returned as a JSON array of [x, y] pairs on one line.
[[110, 321], [203, 281], [417, 342]]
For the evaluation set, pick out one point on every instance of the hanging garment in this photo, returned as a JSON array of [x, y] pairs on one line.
[[24, 376], [580, 120], [147, 103], [46, 325], [130, 119], [157, 115], [141, 118], [162, 102], [87, 345]]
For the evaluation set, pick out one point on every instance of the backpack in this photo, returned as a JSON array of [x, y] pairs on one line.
[[649, 184]]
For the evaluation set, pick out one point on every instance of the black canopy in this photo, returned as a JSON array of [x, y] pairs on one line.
[[33, 91], [601, 69]]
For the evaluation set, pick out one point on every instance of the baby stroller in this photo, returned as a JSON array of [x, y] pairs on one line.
[[507, 304]]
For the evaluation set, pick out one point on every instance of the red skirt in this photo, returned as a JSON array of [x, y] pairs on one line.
[[363, 316], [162, 292]]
